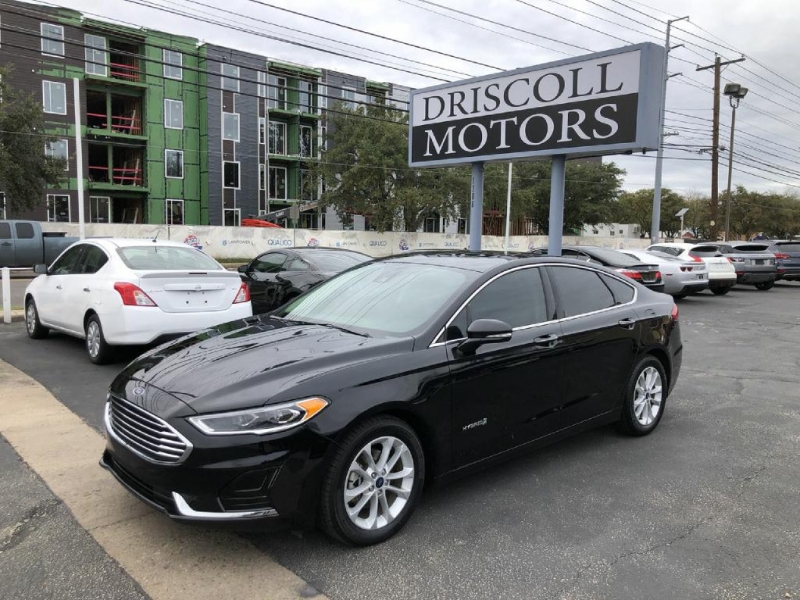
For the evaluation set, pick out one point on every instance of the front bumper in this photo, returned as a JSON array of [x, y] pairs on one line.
[[251, 482]]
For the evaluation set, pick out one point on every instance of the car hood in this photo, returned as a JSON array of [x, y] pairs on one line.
[[252, 362]]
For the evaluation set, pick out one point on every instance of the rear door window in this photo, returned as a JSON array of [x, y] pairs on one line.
[[5, 231], [24, 231], [581, 290]]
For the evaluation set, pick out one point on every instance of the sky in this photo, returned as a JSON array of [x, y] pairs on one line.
[[767, 146]]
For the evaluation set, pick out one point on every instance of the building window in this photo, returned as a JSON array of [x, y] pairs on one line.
[[230, 77], [277, 183], [431, 224], [52, 39], [230, 126], [58, 208], [306, 96], [262, 131], [348, 97], [174, 212], [99, 209], [173, 64], [173, 114], [277, 137], [461, 225], [262, 84], [2, 205], [276, 92], [232, 217], [230, 175], [96, 55], [173, 164], [54, 97], [262, 177], [58, 149], [308, 190], [306, 135]]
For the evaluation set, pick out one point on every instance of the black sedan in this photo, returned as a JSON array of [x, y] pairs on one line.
[[339, 407], [278, 276]]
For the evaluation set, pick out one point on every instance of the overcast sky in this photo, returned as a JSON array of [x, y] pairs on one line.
[[765, 31]]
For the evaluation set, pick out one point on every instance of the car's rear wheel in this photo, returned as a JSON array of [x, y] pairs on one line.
[[374, 482], [645, 397], [679, 296], [765, 285], [100, 353], [720, 291], [36, 330]]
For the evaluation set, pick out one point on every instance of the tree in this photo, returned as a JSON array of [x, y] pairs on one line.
[[25, 171], [365, 170], [698, 217], [637, 207]]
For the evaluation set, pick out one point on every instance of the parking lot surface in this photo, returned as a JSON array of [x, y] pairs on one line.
[[706, 507]]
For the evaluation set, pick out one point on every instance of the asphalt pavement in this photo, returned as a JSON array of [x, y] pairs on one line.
[[705, 507]]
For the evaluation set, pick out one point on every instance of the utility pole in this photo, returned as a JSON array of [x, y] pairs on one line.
[[655, 227], [717, 66]]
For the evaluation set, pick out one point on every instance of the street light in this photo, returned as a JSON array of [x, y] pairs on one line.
[[735, 92]]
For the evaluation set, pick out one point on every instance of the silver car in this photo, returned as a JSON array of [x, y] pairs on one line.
[[680, 278]]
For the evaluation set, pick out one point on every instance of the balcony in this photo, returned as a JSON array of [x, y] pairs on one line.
[[113, 114], [116, 167], [123, 62]]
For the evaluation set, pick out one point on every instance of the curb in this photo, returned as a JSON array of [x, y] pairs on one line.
[[16, 316]]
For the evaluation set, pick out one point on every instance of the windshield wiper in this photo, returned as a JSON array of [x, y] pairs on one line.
[[345, 329]]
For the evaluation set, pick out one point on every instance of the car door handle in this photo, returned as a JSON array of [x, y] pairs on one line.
[[5, 244], [626, 323], [546, 341], [86, 290]]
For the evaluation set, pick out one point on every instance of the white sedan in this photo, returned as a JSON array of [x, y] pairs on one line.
[[680, 278], [114, 292], [721, 272]]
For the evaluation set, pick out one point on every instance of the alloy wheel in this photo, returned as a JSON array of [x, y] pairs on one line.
[[30, 318], [648, 395], [379, 482], [93, 339]]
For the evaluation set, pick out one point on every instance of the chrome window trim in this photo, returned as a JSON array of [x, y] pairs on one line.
[[436, 343]]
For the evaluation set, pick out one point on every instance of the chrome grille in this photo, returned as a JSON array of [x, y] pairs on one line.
[[144, 433]]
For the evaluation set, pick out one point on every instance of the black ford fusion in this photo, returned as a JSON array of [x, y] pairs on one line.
[[337, 408]]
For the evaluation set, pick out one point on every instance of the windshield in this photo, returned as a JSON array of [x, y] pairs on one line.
[[166, 258], [335, 262], [382, 298]]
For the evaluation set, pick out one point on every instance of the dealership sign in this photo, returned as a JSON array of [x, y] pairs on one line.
[[603, 103]]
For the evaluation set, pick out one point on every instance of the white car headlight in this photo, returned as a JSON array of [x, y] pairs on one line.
[[261, 420]]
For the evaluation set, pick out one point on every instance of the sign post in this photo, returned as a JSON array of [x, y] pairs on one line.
[[557, 185], [593, 105]]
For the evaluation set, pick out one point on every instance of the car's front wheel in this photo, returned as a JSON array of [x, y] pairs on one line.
[[36, 330], [99, 351], [645, 396], [374, 482]]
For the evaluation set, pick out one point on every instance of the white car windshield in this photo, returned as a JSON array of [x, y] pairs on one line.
[[166, 258], [383, 298]]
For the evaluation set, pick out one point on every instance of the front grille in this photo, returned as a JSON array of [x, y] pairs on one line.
[[145, 434]]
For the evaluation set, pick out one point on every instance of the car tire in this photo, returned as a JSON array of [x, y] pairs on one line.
[[100, 353], [720, 291], [680, 296], [36, 330], [765, 285], [645, 398], [376, 513]]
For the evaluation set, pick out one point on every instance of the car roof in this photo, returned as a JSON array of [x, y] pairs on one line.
[[111, 243], [304, 249], [479, 262]]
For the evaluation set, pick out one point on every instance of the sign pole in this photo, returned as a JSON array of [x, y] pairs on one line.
[[79, 155], [557, 184], [508, 208], [476, 208]]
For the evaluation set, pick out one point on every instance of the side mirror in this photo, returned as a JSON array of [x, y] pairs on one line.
[[485, 331], [40, 269], [243, 268]]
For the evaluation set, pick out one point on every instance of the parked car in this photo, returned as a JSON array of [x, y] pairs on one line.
[[787, 259], [114, 292], [278, 276], [754, 263], [680, 278], [721, 272], [24, 244], [338, 407], [646, 273]]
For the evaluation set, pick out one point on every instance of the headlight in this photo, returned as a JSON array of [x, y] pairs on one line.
[[265, 419]]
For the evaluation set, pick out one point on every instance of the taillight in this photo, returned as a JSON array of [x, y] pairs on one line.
[[132, 295], [734, 259], [632, 274], [243, 295], [781, 256], [684, 269], [674, 314], [658, 275]]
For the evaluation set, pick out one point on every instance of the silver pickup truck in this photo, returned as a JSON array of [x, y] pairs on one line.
[[24, 244]]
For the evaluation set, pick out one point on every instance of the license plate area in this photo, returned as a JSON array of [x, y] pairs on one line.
[[193, 299]]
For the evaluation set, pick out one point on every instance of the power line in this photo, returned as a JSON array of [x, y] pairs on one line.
[[568, 20]]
